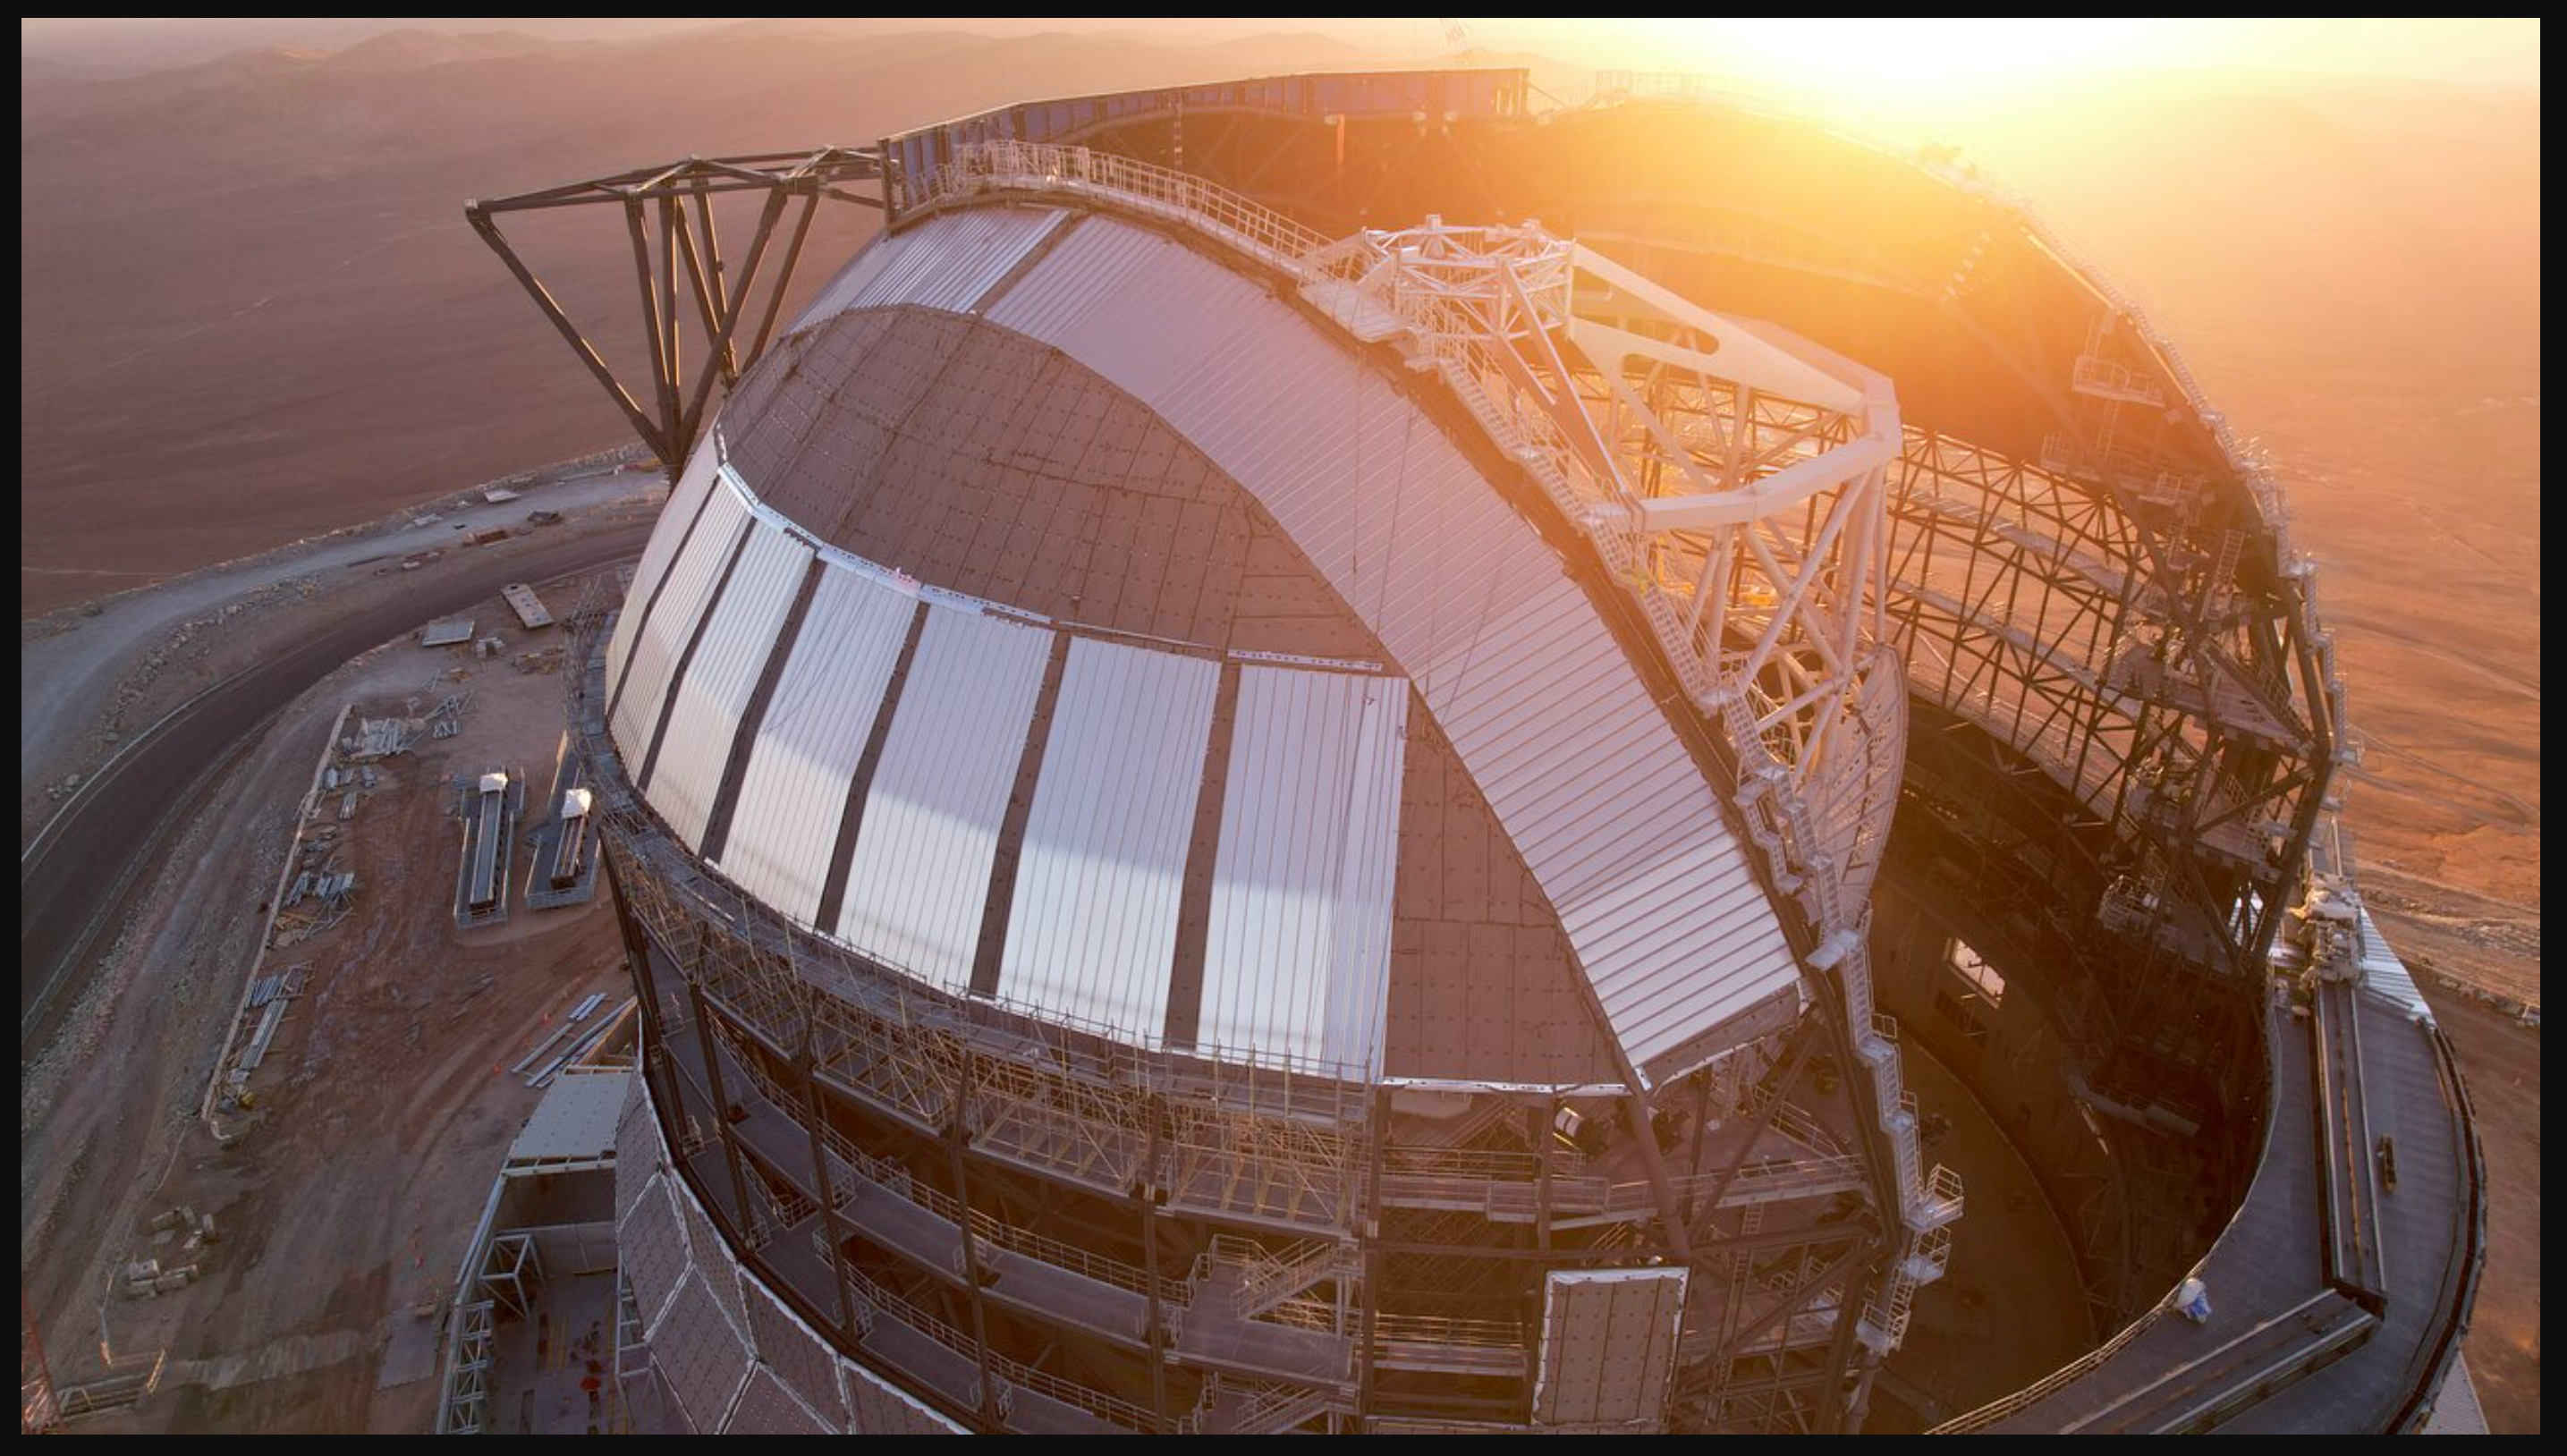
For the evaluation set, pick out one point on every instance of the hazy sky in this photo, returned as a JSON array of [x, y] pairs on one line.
[[1841, 58]]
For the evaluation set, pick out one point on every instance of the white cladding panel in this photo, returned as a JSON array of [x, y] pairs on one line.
[[948, 263], [1297, 961], [1609, 810], [2382, 972], [691, 578], [729, 658], [767, 1408], [695, 486], [876, 1408], [1092, 928], [823, 708], [921, 873], [850, 280], [653, 1246], [702, 1356]]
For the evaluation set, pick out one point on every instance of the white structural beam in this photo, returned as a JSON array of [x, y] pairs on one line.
[[1786, 489], [1741, 355]]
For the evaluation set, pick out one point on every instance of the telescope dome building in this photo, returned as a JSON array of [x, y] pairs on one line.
[[1324, 754]]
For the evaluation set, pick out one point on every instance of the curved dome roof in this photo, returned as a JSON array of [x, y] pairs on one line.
[[1060, 616]]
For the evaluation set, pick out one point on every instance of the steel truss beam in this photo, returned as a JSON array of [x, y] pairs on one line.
[[681, 195], [2024, 597]]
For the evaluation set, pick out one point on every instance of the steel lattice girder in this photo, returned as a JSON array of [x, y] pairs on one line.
[[676, 414]]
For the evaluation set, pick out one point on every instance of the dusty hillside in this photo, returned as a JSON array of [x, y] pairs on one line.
[[252, 310]]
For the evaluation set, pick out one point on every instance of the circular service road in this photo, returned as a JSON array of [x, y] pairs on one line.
[[77, 876]]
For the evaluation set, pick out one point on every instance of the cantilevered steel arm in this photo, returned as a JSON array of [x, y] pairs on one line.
[[688, 242]]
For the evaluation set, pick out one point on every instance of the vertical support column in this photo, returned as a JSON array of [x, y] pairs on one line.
[[1381, 1135], [721, 1101], [1848, 1390], [815, 1110], [672, 366], [890, 186], [1145, 1198], [957, 1138], [637, 956], [1544, 1132]]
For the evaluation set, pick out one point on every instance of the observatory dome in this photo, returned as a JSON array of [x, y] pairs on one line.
[[1065, 616]]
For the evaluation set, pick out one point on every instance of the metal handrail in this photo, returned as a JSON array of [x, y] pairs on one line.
[[1182, 196]]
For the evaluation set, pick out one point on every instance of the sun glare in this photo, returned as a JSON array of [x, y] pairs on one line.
[[1858, 65]]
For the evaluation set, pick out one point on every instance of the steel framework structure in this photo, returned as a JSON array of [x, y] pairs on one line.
[[2085, 564], [1735, 508], [2126, 717], [680, 197]]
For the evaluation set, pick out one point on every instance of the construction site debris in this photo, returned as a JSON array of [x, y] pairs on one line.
[[549, 660], [586, 1043], [530, 608], [381, 738]]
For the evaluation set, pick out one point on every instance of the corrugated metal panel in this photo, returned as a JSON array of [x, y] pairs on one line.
[[984, 462], [673, 620], [1092, 929], [921, 873], [2382, 974], [824, 705], [1608, 1346], [1612, 816], [726, 667], [1297, 961], [839, 291], [948, 262], [683, 502]]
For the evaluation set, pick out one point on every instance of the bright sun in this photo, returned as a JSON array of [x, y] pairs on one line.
[[1863, 63]]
